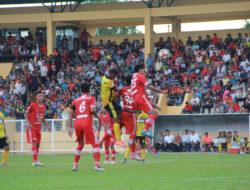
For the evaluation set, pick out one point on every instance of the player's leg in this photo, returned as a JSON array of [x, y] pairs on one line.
[[91, 138], [112, 147], [146, 106], [106, 136], [143, 148], [78, 154], [38, 136], [106, 144], [132, 140], [5, 146], [80, 139], [151, 147]]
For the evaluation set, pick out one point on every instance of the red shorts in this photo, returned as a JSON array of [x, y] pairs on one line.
[[110, 140], [33, 135], [85, 132], [143, 103], [129, 121]]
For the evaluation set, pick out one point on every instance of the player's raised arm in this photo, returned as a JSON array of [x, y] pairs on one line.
[[151, 87]]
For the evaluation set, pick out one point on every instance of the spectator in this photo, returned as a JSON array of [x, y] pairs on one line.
[[235, 108], [149, 61], [178, 147], [207, 142], [84, 39], [195, 141], [246, 107], [186, 141], [159, 145], [20, 111], [196, 108], [220, 107], [207, 103], [245, 147], [188, 108], [235, 138], [168, 141]]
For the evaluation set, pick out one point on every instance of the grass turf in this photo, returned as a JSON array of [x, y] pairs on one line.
[[171, 171]]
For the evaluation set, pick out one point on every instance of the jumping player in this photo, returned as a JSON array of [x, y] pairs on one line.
[[84, 107], [3, 141], [108, 125], [141, 100], [128, 117], [34, 116], [108, 95]]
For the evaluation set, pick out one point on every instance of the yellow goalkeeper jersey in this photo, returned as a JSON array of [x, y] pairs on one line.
[[141, 118], [2, 134], [108, 93]]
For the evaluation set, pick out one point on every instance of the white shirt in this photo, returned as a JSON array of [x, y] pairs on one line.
[[195, 100], [169, 139], [185, 138], [244, 63], [226, 57], [194, 138], [44, 71]]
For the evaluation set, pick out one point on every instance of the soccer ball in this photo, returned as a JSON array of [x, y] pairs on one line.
[[164, 53]]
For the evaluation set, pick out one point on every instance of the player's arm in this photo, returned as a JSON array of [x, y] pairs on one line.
[[93, 112], [151, 87], [155, 106], [26, 116], [99, 128], [46, 124], [71, 113]]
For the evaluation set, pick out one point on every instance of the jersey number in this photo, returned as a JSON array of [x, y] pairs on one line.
[[133, 83], [129, 100], [82, 107]]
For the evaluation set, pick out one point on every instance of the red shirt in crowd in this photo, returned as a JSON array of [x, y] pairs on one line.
[[188, 108], [215, 40]]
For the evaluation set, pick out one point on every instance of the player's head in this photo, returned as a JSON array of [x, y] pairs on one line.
[[113, 73], [85, 88], [103, 110], [128, 80], [139, 69], [39, 97]]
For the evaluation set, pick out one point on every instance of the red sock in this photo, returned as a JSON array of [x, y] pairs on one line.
[[139, 151], [34, 150], [78, 153], [149, 145], [96, 155], [106, 153], [113, 154], [150, 121]]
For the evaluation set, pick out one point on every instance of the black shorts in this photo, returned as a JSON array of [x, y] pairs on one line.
[[141, 140], [114, 109], [3, 142]]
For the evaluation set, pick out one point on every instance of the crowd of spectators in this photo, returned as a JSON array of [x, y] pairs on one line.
[[189, 142], [215, 70]]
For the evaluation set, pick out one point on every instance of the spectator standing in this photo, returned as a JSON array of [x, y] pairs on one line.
[[76, 39], [20, 111], [149, 62], [84, 39]]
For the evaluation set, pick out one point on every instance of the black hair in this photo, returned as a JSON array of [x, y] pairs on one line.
[[113, 71], [39, 92], [85, 88], [128, 80], [138, 67]]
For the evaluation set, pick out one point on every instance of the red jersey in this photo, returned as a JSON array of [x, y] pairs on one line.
[[106, 121], [82, 107], [127, 98], [138, 84], [36, 113]]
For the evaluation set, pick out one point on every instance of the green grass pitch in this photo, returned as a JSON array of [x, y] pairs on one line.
[[171, 171]]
